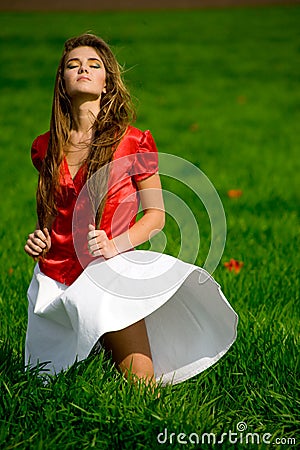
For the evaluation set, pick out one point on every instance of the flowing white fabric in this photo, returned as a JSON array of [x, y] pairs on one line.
[[190, 324]]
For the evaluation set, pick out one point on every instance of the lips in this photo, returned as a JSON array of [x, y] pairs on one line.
[[83, 78]]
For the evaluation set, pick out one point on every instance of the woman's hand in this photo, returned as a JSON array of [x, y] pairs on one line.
[[99, 244], [37, 242]]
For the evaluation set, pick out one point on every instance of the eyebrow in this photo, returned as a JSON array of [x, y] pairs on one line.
[[89, 59]]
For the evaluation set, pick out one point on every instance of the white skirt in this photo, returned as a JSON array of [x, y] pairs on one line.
[[189, 322]]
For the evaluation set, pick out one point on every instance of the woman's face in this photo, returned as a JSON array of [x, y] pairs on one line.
[[84, 74]]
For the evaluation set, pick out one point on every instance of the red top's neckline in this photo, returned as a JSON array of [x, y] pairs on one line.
[[73, 181]]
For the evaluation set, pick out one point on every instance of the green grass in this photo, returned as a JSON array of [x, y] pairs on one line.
[[219, 88]]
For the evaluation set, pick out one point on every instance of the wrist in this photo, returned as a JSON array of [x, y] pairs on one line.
[[114, 248], [122, 243]]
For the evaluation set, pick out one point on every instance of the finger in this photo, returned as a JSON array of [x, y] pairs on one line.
[[30, 252], [100, 234], [94, 240], [93, 234], [46, 233], [94, 247], [38, 242], [95, 251], [35, 247], [48, 238], [40, 235], [91, 227]]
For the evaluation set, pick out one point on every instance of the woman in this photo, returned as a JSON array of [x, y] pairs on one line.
[[90, 287]]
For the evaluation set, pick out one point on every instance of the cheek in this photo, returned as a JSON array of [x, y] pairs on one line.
[[102, 79], [67, 84]]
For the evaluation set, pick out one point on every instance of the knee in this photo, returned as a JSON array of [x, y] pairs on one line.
[[138, 365]]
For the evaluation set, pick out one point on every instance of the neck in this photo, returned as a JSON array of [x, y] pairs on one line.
[[84, 114]]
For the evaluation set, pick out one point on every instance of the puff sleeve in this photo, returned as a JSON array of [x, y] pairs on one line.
[[39, 149], [146, 158]]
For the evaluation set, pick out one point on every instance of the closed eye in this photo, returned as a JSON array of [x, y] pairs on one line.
[[93, 63], [72, 66]]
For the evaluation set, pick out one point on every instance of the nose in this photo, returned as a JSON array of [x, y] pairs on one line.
[[83, 68]]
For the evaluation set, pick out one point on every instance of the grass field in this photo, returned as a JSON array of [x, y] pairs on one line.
[[219, 88]]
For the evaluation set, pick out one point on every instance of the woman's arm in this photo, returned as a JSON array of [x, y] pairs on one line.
[[146, 227]]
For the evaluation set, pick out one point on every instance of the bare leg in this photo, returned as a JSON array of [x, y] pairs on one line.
[[130, 350]]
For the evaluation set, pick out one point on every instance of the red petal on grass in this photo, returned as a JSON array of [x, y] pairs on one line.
[[234, 193], [233, 265], [194, 127], [241, 99], [10, 271]]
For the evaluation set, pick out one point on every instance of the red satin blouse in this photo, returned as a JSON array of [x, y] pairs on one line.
[[134, 160]]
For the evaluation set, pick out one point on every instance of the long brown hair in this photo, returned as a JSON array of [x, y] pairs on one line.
[[116, 113]]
